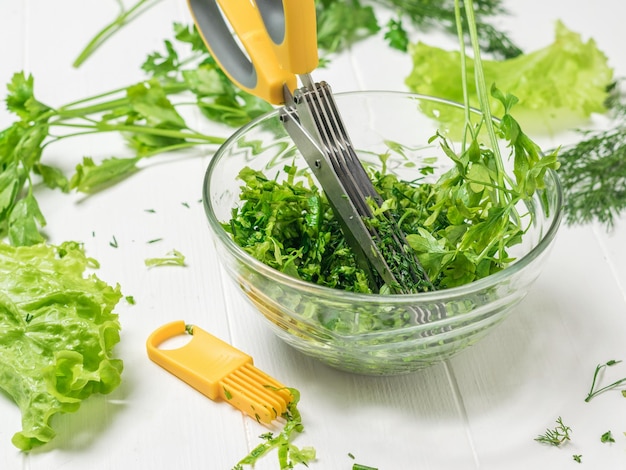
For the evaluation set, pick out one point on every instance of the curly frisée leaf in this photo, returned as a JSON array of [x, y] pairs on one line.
[[57, 333]]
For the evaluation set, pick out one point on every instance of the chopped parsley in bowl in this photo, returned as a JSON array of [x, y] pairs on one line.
[[480, 230]]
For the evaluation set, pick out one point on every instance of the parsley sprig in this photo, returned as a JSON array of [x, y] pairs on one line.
[[146, 114]]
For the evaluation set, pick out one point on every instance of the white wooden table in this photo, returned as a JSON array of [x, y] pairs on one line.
[[480, 410]]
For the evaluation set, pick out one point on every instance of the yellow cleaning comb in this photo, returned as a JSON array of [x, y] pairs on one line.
[[219, 371]]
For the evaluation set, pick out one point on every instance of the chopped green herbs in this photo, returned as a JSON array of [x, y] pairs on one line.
[[396, 35], [577, 458], [460, 227], [289, 224], [358, 466], [607, 437], [172, 258], [289, 455], [556, 436], [595, 390], [113, 242]]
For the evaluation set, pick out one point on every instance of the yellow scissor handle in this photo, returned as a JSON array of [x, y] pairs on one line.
[[279, 38]]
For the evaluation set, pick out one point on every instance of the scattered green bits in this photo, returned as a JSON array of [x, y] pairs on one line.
[[288, 454], [172, 258], [607, 437]]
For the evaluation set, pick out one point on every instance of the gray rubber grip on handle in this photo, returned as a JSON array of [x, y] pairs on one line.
[[216, 33], [273, 15]]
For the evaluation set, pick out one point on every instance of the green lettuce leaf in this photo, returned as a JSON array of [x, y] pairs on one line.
[[558, 86], [57, 332]]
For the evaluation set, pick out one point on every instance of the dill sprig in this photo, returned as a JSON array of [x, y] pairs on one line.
[[593, 170], [430, 14], [593, 175], [556, 436]]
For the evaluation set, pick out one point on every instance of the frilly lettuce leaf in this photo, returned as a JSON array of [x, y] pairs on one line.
[[558, 86], [57, 333]]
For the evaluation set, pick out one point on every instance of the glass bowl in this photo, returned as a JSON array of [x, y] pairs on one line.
[[360, 332]]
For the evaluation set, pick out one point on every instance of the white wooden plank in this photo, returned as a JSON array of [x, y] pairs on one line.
[[373, 418], [483, 411], [539, 364], [158, 415], [12, 38]]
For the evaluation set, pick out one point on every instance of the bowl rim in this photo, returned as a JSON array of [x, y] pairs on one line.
[[348, 296]]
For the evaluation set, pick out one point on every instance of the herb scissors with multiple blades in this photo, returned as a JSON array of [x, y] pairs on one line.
[[274, 46]]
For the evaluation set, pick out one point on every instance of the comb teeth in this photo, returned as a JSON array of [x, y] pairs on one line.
[[256, 393], [219, 370]]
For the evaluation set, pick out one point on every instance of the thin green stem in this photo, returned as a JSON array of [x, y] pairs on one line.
[[105, 94], [69, 113], [481, 88], [69, 110], [105, 33], [593, 392], [173, 133], [171, 148], [468, 121]]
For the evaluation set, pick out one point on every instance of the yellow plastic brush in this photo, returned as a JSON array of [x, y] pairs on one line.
[[219, 371]]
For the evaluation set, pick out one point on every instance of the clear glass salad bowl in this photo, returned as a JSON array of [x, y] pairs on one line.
[[360, 332]]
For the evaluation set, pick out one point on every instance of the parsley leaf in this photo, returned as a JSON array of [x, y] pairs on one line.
[[607, 437], [144, 113], [396, 35], [343, 22]]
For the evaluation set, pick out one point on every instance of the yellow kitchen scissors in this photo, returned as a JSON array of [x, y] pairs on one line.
[[279, 40], [268, 44]]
